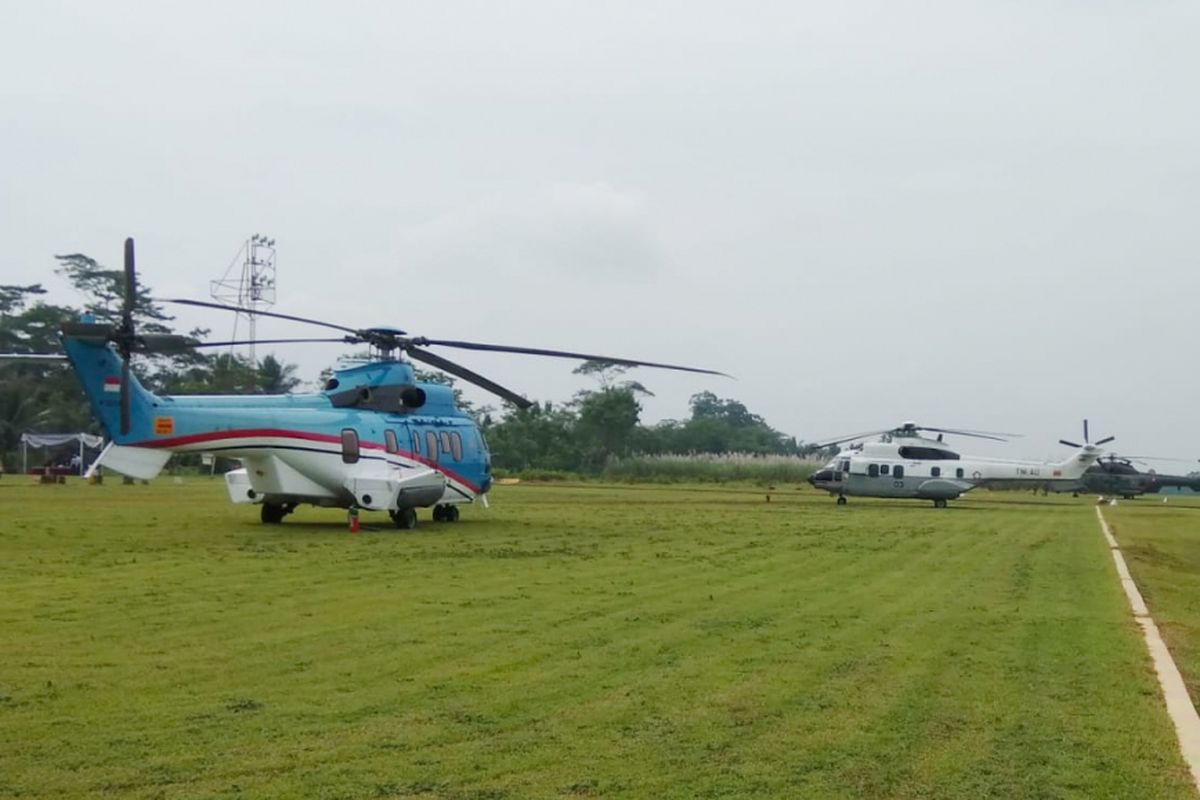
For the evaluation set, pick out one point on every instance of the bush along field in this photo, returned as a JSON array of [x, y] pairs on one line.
[[572, 641], [762, 469]]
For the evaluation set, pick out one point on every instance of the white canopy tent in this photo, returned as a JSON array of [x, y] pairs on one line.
[[85, 440]]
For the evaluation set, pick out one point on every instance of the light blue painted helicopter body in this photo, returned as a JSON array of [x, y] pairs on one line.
[[324, 436]]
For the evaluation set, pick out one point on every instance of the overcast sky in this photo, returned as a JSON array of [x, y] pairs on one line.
[[975, 214]]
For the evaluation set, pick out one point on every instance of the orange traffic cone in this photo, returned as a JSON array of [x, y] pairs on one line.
[[354, 520]]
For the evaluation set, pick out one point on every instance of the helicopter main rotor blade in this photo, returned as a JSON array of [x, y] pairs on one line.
[[124, 338], [537, 351], [446, 365], [997, 435], [1158, 458], [1085, 432], [90, 331], [850, 438], [160, 343], [972, 434], [276, 315], [30, 358], [1105, 440], [125, 402], [236, 342], [130, 287], [1069, 444]]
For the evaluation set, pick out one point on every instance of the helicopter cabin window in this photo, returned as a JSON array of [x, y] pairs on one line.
[[958, 473], [445, 437], [456, 446], [416, 437], [898, 472], [349, 446], [389, 441], [935, 472], [431, 445], [884, 468], [873, 470]]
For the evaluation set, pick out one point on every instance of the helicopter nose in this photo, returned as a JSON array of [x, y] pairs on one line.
[[824, 475]]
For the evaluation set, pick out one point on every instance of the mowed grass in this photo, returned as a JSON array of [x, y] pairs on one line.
[[572, 641], [1161, 543]]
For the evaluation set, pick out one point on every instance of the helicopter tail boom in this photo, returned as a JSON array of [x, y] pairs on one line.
[[99, 367], [1074, 467]]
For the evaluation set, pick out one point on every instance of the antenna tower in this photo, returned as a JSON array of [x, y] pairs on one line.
[[249, 283]]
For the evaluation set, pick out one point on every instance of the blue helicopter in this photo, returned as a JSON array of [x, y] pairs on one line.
[[375, 438]]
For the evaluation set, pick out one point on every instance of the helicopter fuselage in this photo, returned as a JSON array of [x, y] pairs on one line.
[[374, 438], [916, 467], [1113, 477]]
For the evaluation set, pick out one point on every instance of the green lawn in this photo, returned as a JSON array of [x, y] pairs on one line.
[[1161, 543], [571, 642]]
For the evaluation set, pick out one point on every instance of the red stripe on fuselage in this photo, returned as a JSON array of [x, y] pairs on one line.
[[279, 433]]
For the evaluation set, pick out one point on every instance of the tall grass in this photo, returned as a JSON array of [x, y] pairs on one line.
[[710, 468]]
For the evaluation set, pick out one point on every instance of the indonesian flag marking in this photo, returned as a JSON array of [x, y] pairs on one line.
[[112, 384]]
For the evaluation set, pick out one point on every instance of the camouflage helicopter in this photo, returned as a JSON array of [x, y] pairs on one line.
[[1114, 475]]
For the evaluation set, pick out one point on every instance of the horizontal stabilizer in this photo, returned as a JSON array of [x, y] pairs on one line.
[[142, 463]]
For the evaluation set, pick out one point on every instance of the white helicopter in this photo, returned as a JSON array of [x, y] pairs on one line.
[[904, 464]]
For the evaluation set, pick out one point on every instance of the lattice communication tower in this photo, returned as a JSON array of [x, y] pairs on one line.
[[249, 283]]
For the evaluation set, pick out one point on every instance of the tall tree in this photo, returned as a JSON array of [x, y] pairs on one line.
[[275, 376]]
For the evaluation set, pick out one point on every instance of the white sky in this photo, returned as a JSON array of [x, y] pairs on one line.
[[976, 214]]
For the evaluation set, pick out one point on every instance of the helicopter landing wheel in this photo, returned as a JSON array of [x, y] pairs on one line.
[[272, 513], [841, 501], [939, 503], [445, 513], [405, 519]]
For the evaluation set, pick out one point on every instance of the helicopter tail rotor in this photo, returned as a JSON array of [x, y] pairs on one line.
[[1087, 443]]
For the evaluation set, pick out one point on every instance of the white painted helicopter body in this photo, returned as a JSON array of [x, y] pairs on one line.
[[912, 466]]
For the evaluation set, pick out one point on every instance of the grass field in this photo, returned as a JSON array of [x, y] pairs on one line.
[[1161, 542], [578, 641]]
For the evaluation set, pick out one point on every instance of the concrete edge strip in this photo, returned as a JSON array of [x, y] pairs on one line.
[[1179, 704]]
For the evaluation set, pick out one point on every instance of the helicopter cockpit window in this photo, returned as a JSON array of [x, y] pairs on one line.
[[884, 469], [845, 465], [873, 470], [389, 441], [456, 446], [431, 445], [349, 446]]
